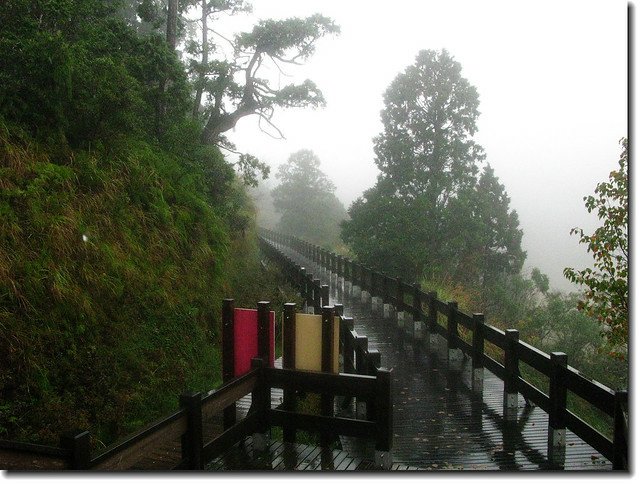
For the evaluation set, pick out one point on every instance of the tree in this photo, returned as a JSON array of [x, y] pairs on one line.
[[306, 200], [429, 214], [235, 87], [483, 233], [607, 294]]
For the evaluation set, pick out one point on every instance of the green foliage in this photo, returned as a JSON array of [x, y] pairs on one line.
[[120, 231], [73, 67], [111, 280], [306, 201], [235, 87], [430, 214], [608, 289]]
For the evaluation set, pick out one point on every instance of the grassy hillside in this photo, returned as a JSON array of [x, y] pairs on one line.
[[113, 264]]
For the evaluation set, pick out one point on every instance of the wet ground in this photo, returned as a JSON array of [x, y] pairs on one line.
[[439, 423]]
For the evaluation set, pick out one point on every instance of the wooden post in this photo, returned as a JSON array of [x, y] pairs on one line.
[[512, 373], [373, 363], [477, 345], [192, 439], [366, 287], [433, 312], [417, 312], [620, 432], [263, 331], [452, 329], [399, 302], [317, 297], [289, 362], [326, 400], [261, 402], [386, 299], [557, 401], [309, 290], [339, 309], [349, 367], [228, 370], [361, 348], [355, 279], [324, 295], [303, 283], [79, 443], [384, 418]]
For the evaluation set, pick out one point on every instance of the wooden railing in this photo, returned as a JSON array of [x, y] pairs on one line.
[[185, 426], [427, 312]]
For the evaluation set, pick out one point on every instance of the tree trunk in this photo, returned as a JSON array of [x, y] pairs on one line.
[[172, 22], [204, 61]]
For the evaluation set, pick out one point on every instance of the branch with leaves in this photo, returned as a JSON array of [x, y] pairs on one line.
[[607, 294]]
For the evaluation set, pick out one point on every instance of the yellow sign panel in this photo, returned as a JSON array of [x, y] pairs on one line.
[[309, 342]]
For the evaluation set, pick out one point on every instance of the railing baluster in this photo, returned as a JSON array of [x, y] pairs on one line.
[[452, 329], [228, 371], [477, 378], [79, 445], [192, 439], [384, 416], [289, 362], [510, 403]]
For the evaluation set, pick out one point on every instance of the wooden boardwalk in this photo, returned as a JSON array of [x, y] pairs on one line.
[[439, 423]]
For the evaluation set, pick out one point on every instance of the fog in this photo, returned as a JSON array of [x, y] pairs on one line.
[[552, 80]]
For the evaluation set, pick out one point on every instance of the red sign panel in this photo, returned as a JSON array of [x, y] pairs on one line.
[[245, 339]]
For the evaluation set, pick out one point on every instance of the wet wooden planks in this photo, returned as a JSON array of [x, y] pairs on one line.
[[438, 422], [282, 456]]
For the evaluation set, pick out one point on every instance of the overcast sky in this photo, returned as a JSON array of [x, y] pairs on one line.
[[552, 80]]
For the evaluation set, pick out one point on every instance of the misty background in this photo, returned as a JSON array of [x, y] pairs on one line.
[[552, 80]]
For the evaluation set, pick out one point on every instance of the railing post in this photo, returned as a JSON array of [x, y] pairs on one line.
[[228, 371], [303, 283], [477, 345], [361, 347], [192, 438], [620, 432], [356, 287], [399, 302], [364, 297], [374, 361], [309, 291], [510, 398], [339, 309], [386, 300], [326, 400], [79, 443], [432, 320], [289, 362], [262, 404], [324, 295], [317, 297], [263, 331], [557, 405], [349, 357], [452, 329], [417, 312], [384, 417]]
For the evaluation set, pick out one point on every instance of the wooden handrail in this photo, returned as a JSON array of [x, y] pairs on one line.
[[589, 390]]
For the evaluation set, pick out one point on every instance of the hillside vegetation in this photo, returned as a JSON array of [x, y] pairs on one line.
[[120, 230]]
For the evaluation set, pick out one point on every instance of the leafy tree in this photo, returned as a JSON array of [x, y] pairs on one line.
[[306, 200], [429, 213], [608, 291], [233, 82], [74, 68], [483, 233]]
